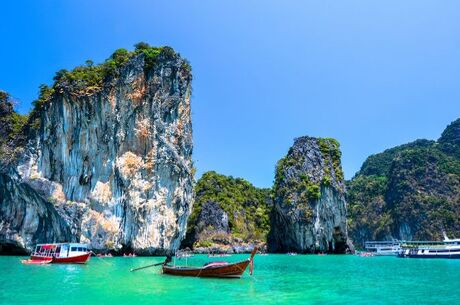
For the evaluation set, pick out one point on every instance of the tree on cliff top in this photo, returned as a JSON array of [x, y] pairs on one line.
[[11, 127]]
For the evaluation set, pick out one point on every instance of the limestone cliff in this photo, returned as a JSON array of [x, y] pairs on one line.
[[309, 212], [110, 146]]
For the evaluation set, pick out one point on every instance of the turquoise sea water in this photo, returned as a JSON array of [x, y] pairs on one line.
[[278, 279]]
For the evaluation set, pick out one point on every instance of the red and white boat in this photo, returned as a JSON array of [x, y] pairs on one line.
[[70, 253]]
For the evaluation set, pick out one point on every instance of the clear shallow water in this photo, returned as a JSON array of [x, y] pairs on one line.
[[278, 279]]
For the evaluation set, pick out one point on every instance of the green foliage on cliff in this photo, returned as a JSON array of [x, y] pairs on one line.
[[330, 149], [11, 127], [247, 206], [4, 96], [279, 173], [366, 203], [44, 95], [450, 139], [17, 123], [90, 77], [11, 121], [308, 190], [149, 52], [380, 164], [410, 191]]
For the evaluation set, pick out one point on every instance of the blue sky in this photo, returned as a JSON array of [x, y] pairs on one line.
[[372, 74]]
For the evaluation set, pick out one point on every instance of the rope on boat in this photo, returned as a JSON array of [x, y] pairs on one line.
[[144, 267], [167, 260]]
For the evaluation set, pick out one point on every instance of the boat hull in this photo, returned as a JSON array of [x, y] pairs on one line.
[[234, 270], [35, 262], [453, 256], [450, 252]]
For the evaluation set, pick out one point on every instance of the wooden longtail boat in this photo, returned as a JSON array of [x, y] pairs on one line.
[[213, 269]]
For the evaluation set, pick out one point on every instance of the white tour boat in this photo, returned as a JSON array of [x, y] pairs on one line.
[[448, 248], [383, 247]]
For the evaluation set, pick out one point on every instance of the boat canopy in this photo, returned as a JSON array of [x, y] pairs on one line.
[[48, 247]]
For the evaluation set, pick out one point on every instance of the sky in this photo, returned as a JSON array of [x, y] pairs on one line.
[[372, 74]]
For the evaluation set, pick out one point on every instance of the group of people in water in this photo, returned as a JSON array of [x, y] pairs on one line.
[[110, 255]]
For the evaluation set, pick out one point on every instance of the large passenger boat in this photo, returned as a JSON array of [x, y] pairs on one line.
[[383, 247], [59, 253], [448, 248]]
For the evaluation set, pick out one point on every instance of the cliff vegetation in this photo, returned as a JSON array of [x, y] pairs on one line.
[[227, 210], [11, 128], [408, 192]]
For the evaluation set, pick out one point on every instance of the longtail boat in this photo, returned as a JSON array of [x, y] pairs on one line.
[[213, 269], [59, 253]]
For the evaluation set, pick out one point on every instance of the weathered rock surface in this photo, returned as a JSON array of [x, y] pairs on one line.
[[27, 219], [409, 192], [116, 159], [212, 215], [309, 212]]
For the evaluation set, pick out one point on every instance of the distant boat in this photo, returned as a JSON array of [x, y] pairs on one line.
[[71, 253], [383, 247], [448, 248], [212, 269], [291, 253]]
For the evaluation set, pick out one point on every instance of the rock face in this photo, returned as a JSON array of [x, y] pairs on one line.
[[309, 212], [27, 219], [410, 192], [114, 156], [229, 215], [212, 215]]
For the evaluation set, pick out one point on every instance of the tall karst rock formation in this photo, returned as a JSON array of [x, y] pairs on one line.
[[309, 212], [109, 149]]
